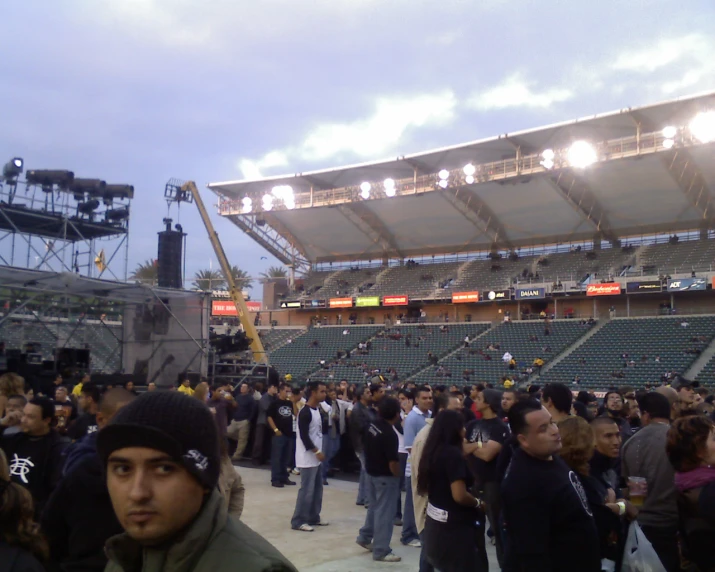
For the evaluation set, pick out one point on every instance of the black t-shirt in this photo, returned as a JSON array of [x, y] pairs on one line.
[[448, 468], [281, 411], [84, 425], [380, 448], [547, 515], [486, 430]]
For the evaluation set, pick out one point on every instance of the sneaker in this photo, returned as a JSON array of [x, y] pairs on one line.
[[397, 522], [391, 557], [321, 523], [366, 545], [413, 543], [305, 528], [295, 471], [289, 483], [277, 485]]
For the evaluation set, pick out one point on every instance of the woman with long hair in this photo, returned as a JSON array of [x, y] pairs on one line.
[[691, 451], [22, 547], [450, 534]]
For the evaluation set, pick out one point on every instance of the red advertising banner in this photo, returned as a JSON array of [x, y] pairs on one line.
[[464, 297], [341, 302], [608, 289], [228, 308], [395, 301]]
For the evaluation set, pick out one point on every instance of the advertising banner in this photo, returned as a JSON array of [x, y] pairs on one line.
[[401, 300], [530, 293], [341, 302], [464, 297], [367, 301], [644, 287], [608, 289], [294, 304], [686, 284], [316, 304], [228, 308], [496, 295]]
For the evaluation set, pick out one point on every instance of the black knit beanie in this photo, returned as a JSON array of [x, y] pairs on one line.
[[169, 421]]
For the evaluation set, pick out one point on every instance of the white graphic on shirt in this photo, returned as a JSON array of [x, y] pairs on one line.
[[199, 459], [21, 468], [578, 487], [285, 411], [92, 429]]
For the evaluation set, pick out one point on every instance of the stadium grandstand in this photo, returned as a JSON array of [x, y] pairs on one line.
[[566, 247]]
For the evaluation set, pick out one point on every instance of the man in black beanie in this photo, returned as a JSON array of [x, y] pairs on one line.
[[161, 454]]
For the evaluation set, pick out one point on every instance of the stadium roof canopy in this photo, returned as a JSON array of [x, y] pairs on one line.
[[641, 183]]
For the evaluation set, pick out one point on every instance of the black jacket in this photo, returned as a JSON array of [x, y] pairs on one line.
[[79, 519], [13, 559]]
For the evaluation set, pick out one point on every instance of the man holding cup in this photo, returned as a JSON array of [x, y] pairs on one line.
[[650, 478]]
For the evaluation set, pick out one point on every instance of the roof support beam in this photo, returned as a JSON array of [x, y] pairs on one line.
[[317, 183], [420, 167], [270, 239], [579, 195], [371, 226], [474, 209], [682, 168]]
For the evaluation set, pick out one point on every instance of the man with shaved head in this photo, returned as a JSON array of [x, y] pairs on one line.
[[79, 517]]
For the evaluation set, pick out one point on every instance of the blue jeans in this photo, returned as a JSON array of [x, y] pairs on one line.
[[362, 497], [310, 497], [331, 447], [409, 527], [280, 457], [382, 494]]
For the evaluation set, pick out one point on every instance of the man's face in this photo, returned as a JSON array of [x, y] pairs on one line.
[[283, 393], [13, 410], [272, 390], [61, 394], [697, 399], [333, 394], [58, 380], [480, 404], [378, 394], [424, 401], [186, 383], [244, 388], [129, 386], [144, 485], [614, 402], [686, 396], [321, 393], [455, 403], [608, 439], [84, 402], [473, 393], [542, 439], [405, 403], [32, 422], [507, 400], [151, 387], [592, 408], [343, 386]]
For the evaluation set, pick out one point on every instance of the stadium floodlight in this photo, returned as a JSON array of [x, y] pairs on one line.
[[389, 185], [668, 143], [13, 169], [116, 215], [702, 126], [289, 202], [469, 179], [443, 183], [365, 187], [443, 175], [469, 170], [88, 207], [282, 192], [246, 205], [547, 158], [582, 154], [267, 202], [365, 191], [669, 132], [119, 191], [49, 178]]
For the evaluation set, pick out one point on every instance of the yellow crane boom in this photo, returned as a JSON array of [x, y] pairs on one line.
[[259, 354]]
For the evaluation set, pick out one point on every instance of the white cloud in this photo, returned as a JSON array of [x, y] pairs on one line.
[[516, 91], [367, 138], [663, 53]]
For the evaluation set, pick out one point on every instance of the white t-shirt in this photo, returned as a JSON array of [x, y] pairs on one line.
[[303, 458]]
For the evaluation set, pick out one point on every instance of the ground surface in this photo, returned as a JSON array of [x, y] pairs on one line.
[[329, 549]]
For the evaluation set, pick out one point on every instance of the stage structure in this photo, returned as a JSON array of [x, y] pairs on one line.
[[148, 334], [57, 222]]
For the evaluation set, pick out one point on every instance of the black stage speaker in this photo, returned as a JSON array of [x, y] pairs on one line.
[[169, 259]]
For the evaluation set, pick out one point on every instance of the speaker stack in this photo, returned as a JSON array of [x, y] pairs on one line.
[[169, 258]]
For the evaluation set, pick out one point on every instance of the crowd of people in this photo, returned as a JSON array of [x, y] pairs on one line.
[[88, 480]]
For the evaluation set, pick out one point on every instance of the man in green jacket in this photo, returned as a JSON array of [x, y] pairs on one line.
[[161, 454]]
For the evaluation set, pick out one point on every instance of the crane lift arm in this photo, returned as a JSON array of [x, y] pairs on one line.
[[259, 354]]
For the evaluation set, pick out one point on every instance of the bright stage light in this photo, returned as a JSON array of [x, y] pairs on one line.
[[469, 179], [365, 190], [547, 158], [247, 205], [267, 202], [669, 132], [469, 170], [668, 143], [443, 183], [703, 126], [289, 203], [389, 185], [582, 154], [444, 174], [13, 169]]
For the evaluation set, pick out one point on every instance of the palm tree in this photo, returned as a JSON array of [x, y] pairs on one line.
[[241, 278], [146, 273], [273, 273], [208, 280]]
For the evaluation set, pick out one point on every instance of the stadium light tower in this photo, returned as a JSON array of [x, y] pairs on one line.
[[582, 154], [702, 126], [13, 169]]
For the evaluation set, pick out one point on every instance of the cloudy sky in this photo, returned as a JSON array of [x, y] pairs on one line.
[[139, 91]]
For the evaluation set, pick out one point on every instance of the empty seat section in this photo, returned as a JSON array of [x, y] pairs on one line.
[[415, 280]]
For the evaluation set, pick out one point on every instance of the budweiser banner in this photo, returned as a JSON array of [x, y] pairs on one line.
[[608, 289], [464, 297], [394, 300], [341, 302]]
